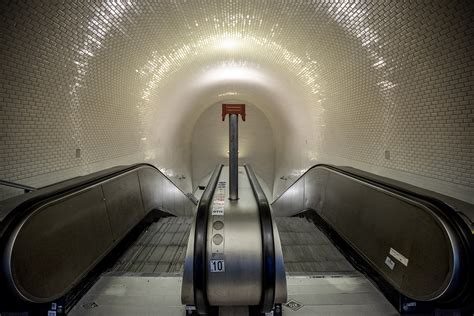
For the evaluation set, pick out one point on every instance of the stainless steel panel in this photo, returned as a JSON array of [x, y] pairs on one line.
[[315, 188], [240, 284], [55, 246], [124, 203], [233, 156], [280, 275], [293, 200], [168, 195], [395, 223], [151, 183], [187, 289], [58, 244], [374, 221]]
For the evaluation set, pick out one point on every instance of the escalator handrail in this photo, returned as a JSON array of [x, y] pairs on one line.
[[18, 208], [25, 188], [20, 204], [445, 211], [268, 244], [200, 243]]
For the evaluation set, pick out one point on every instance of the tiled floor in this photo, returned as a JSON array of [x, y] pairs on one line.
[[161, 295]]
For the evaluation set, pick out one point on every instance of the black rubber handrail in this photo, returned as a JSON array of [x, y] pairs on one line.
[[446, 212], [23, 187], [21, 205], [15, 209], [200, 244], [267, 299]]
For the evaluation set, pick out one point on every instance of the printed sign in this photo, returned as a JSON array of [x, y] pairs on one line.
[[218, 205], [389, 262], [293, 305], [399, 257], [217, 265]]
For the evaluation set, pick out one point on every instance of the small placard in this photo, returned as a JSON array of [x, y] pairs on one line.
[[389, 262], [399, 257], [217, 265], [218, 205]]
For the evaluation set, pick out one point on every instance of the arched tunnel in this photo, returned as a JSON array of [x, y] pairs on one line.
[[355, 161]]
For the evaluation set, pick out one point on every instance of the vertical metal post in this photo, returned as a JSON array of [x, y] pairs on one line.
[[234, 110], [234, 156]]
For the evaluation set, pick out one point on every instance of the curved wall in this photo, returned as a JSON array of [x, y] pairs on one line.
[[381, 86], [210, 143]]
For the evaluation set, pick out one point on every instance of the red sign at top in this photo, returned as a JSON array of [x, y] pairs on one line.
[[233, 109]]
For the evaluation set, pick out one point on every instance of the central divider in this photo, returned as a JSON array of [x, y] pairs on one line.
[[243, 238]]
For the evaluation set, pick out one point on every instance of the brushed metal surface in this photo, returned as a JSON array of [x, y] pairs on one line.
[[187, 289], [124, 203], [46, 257], [240, 284], [374, 220], [152, 189], [233, 156], [281, 294], [60, 241]]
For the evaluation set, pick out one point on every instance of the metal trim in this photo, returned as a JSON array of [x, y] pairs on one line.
[[268, 244], [200, 244]]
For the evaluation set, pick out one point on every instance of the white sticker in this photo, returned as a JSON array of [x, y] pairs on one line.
[[51, 313], [399, 257], [218, 205], [389, 262], [217, 265]]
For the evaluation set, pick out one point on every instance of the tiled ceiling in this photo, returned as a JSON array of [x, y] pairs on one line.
[[386, 86]]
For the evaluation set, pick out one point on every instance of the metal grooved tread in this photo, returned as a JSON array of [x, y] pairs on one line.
[[161, 248], [306, 249]]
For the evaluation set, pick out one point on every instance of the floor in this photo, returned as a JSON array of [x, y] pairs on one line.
[[147, 279], [161, 295]]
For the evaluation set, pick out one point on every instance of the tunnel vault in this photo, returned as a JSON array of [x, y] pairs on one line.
[[384, 87]]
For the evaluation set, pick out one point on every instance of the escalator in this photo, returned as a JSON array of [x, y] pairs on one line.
[[338, 241]]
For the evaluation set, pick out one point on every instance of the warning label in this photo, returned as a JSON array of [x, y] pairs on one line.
[[218, 204]]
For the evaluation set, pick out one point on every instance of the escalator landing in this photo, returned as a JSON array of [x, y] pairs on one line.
[[147, 279], [161, 295], [160, 248]]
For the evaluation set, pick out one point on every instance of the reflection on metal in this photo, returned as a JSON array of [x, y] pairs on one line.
[[397, 219], [234, 110], [72, 225], [240, 282], [233, 156]]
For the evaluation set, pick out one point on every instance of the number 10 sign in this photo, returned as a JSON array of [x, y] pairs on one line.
[[217, 265]]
